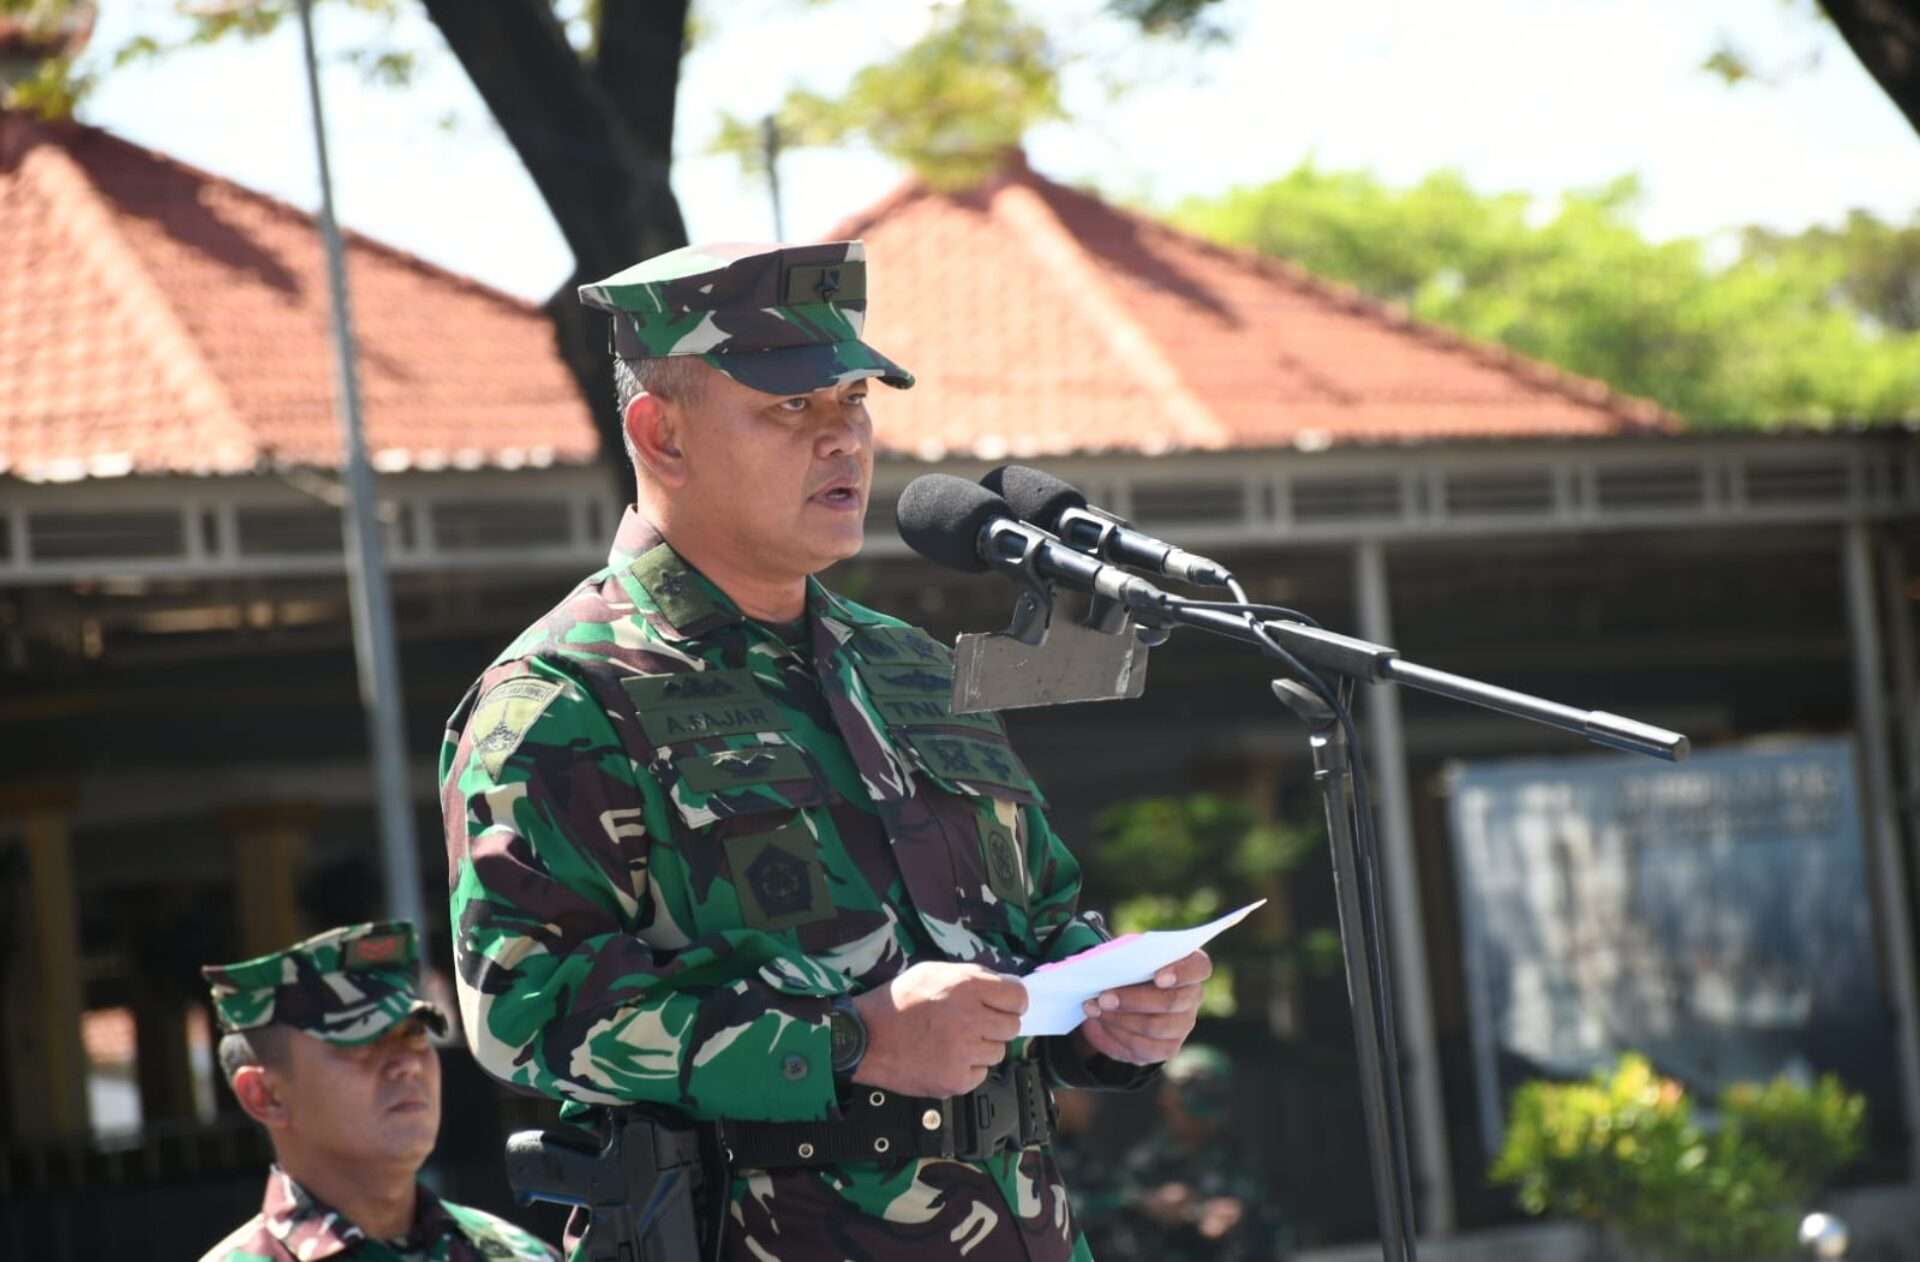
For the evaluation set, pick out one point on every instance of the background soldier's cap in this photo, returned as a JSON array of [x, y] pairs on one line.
[[1204, 1077], [783, 319], [347, 986]]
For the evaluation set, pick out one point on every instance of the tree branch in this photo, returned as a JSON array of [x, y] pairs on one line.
[[599, 158], [638, 66], [606, 186], [1885, 36]]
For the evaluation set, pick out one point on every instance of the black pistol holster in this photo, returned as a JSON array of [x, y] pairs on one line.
[[640, 1181]]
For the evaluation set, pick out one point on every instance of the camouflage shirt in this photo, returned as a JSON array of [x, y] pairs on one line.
[[1115, 1214], [673, 839], [294, 1227]]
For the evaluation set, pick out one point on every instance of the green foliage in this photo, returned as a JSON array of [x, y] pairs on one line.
[[51, 91], [1173, 862], [1811, 1133], [1780, 336], [1623, 1150], [1186, 18], [1878, 263], [949, 106], [54, 30], [1151, 845]]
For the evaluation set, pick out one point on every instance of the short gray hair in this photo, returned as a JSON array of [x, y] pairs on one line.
[[265, 1045], [680, 379]]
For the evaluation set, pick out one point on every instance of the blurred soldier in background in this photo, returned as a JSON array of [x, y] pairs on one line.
[[1191, 1189], [326, 1045], [719, 846]]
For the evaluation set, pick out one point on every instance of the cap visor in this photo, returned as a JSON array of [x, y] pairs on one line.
[[375, 1024], [803, 369]]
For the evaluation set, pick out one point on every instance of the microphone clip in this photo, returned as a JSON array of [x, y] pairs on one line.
[[1033, 608], [1037, 661]]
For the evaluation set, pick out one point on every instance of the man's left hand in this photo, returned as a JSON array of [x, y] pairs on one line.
[[1146, 1023]]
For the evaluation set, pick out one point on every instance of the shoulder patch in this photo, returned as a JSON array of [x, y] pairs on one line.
[[674, 589], [503, 715]]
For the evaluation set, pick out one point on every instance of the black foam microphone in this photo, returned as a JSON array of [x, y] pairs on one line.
[[1043, 500], [963, 525]]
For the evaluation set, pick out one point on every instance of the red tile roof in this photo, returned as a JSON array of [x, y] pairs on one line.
[[155, 318], [1042, 321]]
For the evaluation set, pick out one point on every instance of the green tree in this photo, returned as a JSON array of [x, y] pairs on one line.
[[948, 106], [1879, 263], [1782, 335]]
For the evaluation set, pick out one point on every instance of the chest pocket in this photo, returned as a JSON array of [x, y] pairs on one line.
[[974, 782], [741, 792]]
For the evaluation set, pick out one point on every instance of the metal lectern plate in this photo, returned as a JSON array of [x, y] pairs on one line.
[[999, 672]]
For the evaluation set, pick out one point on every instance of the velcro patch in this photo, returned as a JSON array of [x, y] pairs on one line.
[[778, 878], [970, 759], [738, 768], [375, 950], [917, 680], [889, 646], [695, 705], [835, 282], [1006, 866], [501, 720], [908, 713]]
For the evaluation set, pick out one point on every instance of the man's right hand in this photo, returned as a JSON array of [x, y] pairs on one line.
[[936, 1029]]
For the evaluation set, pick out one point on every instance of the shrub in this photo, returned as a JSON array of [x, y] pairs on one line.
[[1623, 1151]]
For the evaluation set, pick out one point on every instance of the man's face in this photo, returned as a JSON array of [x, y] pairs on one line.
[[777, 484], [376, 1104]]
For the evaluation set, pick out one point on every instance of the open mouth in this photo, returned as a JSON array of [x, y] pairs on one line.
[[839, 497]]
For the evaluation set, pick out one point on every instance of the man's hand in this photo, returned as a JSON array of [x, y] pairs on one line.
[[1146, 1023], [936, 1029]]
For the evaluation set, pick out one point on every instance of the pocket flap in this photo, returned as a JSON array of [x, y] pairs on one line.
[[973, 764]]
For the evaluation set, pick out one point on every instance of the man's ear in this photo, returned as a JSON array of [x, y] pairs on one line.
[[259, 1094], [653, 429]]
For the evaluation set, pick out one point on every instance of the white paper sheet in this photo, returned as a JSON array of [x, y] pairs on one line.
[[1056, 991]]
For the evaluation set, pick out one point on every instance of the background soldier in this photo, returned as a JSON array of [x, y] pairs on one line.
[[1191, 1190], [718, 844], [326, 1045]]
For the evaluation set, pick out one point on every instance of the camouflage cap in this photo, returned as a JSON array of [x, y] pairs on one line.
[[1204, 1077], [784, 319], [347, 986]]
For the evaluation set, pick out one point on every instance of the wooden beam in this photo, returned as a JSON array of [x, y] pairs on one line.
[[269, 846], [45, 1058]]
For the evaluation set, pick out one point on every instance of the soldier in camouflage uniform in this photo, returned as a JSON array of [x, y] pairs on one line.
[[325, 1044], [1190, 1191], [717, 844]]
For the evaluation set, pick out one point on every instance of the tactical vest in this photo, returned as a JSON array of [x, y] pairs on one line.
[[752, 783]]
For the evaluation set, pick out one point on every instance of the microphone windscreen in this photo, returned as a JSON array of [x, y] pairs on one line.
[[1036, 498], [941, 517]]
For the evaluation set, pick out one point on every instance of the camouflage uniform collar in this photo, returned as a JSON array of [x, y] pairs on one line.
[[822, 603], [689, 603], [311, 1230]]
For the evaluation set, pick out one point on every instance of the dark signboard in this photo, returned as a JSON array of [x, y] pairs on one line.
[[1713, 915]]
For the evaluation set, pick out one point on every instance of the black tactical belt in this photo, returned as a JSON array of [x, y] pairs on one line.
[[1012, 1109]]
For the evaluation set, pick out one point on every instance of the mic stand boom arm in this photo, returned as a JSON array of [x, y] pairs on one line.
[[1350, 837], [1371, 663]]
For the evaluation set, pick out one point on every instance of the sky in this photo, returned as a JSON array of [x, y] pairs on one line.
[[1533, 95]]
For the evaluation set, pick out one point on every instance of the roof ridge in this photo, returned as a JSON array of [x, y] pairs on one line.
[[852, 225], [180, 358], [1034, 224], [280, 206], [1350, 298]]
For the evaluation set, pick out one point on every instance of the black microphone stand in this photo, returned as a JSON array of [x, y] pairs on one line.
[[1307, 650]]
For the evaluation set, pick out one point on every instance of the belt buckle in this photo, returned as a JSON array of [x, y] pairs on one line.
[[1035, 1104], [992, 1115]]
